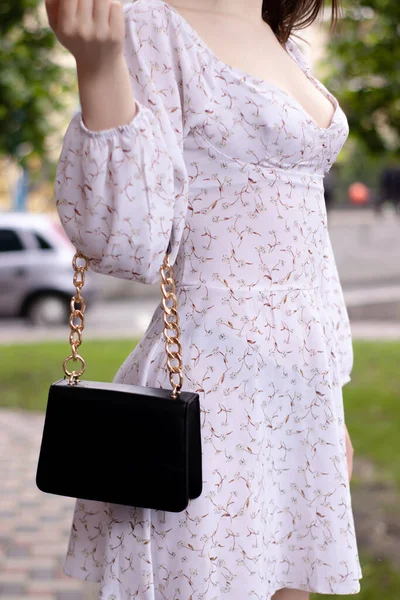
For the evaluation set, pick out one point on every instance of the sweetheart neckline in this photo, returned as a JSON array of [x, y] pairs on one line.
[[262, 82], [255, 81]]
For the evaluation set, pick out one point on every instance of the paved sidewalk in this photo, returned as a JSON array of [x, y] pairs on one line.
[[34, 527]]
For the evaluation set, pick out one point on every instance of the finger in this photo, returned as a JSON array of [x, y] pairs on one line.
[[101, 10], [116, 20], [67, 14], [85, 13]]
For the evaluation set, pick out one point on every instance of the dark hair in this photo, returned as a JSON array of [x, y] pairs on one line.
[[285, 15]]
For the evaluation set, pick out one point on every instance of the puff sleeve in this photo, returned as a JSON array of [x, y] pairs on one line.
[[336, 312], [121, 194]]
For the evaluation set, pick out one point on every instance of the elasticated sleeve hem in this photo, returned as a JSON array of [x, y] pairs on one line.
[[128, 128]]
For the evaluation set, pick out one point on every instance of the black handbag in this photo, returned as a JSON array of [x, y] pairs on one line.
[[119, 443]]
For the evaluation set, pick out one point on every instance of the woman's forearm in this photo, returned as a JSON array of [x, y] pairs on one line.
[[106, 95]]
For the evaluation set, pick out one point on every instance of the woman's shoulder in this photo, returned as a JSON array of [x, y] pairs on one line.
[[156, 24], [155, 13], [159, 31]]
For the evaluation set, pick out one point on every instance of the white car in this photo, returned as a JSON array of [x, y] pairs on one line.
[[36, 274]]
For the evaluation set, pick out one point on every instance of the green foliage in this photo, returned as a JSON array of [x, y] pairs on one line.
[[32, 84], [364, 73]]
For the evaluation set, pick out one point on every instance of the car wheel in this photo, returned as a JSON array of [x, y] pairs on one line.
[[48, 309]]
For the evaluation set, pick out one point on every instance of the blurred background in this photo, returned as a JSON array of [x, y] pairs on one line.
[[360, 64]]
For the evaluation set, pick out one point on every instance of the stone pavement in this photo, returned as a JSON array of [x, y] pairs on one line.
[[34, 527]]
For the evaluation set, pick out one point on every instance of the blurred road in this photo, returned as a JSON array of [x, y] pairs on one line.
[[367, 250], [367, 247]]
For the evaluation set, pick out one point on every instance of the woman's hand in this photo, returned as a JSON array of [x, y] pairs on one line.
[[349, 453], [92, 30]]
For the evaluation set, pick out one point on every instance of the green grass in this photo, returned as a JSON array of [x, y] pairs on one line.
[[27, 371], [372, 405]]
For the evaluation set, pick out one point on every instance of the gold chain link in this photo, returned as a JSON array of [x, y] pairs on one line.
[[77, 319], [77, 323], [171, 325]]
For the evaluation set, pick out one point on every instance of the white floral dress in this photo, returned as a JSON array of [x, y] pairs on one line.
[[230, 169]]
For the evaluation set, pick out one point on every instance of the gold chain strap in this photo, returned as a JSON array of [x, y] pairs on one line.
[[76, 328], [173, 325], [77, 323]]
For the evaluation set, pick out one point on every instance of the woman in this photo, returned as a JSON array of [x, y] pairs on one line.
[[227, 163]]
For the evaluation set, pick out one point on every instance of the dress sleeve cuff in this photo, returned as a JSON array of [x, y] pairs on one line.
[[109, 133]]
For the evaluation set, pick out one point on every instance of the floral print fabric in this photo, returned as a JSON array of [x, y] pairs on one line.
[[229, 169]]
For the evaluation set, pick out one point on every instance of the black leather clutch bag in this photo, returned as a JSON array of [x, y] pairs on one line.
[[120, 443]]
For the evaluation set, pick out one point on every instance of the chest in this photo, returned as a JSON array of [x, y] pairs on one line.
[[258, 53], [248, 127]]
